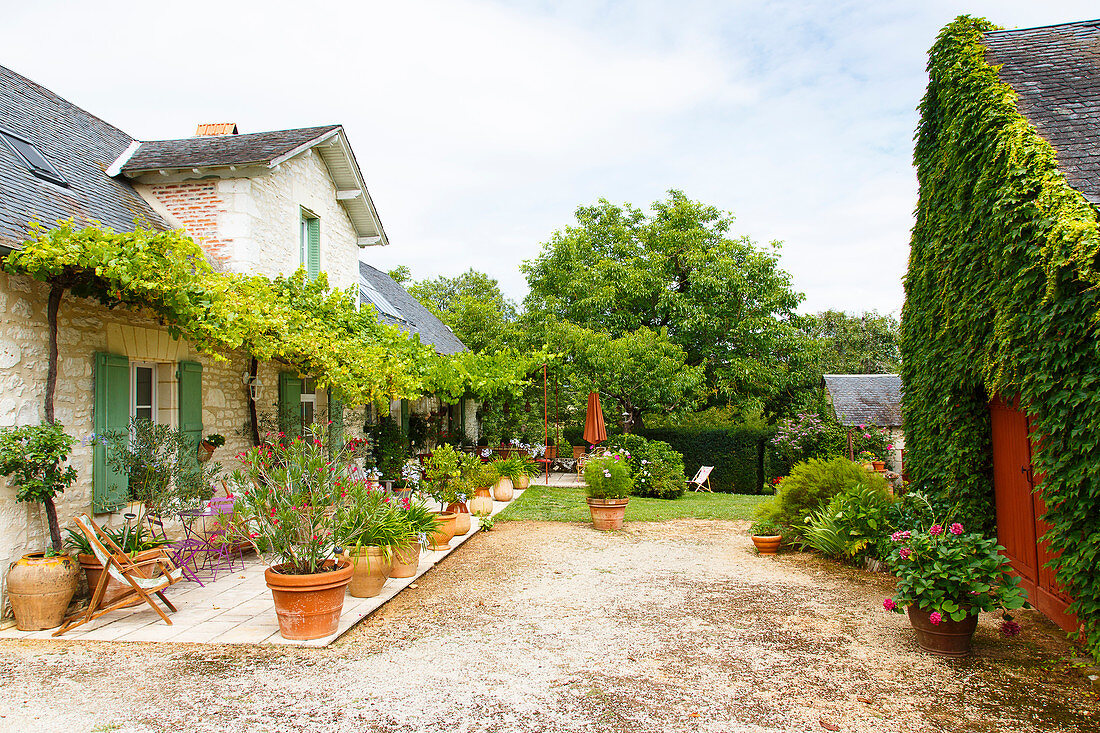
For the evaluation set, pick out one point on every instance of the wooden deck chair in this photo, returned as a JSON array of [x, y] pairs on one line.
[[145, 579], [702, 479]]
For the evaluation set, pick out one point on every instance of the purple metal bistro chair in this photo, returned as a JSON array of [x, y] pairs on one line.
[[204, 527], [182, 552]]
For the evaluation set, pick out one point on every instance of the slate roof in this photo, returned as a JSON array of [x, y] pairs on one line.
[[221, 150], [866, 399], [81, 146], [412, 316], [1055, 71]]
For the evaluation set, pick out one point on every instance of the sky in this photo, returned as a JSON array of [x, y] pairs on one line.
[[481, 126]]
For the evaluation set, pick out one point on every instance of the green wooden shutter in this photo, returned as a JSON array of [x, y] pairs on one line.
[[110, 414], [405, 416], [290, 404], [313, 248], [189, 379]]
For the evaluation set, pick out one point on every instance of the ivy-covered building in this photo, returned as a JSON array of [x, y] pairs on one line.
[[1000, 347], [264, 203]]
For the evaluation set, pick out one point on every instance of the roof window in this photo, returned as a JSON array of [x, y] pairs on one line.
[[29, 155], [367, 292]]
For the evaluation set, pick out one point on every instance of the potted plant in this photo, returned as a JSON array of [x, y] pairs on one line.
[[208, 445], [374, 530], [482, 503], [607, 485], [40, 584], [411, 476], [441, 479], [286, 500], [946, 576], [509, 471], [527, 468], [767, 536], [136, 541], [867, 460], [422, 524]]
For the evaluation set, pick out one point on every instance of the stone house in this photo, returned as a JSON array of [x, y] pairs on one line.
[[869, 399], [263, 203]]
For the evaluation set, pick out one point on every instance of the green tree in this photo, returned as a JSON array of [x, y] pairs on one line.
[[725, 302], [473, 305], [400, 274], [858, 343]]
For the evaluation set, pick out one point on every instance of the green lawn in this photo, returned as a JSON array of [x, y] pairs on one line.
[[554, 504]]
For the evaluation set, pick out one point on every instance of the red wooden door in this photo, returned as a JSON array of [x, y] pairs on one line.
[[1019, 508]]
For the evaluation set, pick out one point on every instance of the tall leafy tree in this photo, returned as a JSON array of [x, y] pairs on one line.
[[858, 343], [473, 305], [725, 301]]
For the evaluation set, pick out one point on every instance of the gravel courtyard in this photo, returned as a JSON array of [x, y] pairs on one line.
[[534, 626]]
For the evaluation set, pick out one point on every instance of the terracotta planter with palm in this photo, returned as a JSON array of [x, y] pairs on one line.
[[371, 568], [406, 561]]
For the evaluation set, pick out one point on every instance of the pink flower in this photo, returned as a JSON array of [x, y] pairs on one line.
[[935, 530], [890, 447], [905, 552], [862, 427], [866, 435], [956, 528], [1010, 628], [901, 535], [935, 618], [889, 604]]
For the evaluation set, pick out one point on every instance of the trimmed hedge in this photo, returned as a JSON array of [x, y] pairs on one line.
[[741, 463]]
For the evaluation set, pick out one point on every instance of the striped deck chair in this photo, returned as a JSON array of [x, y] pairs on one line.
[[143, 579]]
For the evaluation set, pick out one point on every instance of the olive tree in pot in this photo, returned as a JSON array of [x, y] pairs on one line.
[[286, 505], [442, 482], [607, 485], [40, 584]]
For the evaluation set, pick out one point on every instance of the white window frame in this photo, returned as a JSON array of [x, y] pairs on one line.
[[152, 366]]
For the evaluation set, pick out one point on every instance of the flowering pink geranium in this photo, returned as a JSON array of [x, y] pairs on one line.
[[935, 530], [905, 552], [889, 604], [1010, 627], [956, 529], [901, 535], [935, 617]]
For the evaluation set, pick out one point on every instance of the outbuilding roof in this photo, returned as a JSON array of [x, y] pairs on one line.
[[80, 146], [865, 399], [207, 151], [1055, 71], [394, 305]]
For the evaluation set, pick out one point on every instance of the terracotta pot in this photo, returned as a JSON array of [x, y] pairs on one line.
[[607, 513], [482, 503], [522, 482], [206, 450], [551, 452], [767, 544], [93, 569], [405, 561], [309, 606], [502, 489], [40, 589], [878, 465], [441, 538], [946, 639], [462, 517], [868, 466], [369, 570]]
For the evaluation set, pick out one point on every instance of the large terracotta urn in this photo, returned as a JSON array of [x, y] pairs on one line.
[[607, 513], [441, 538], [370, 567], [462, 517], [40, 589], [405, 562], [502, 489], [482, 503], [309, 606]]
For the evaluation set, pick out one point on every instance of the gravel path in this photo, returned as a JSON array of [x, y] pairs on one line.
[[554, 627]]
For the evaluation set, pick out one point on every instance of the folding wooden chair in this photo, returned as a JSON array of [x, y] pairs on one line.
[[702, 477], [145, 579]]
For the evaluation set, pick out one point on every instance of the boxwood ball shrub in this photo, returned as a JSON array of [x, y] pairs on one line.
[[1002, 299]]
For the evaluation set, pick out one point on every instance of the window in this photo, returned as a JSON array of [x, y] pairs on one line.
[[309, 403], [310, 249], [368, 293], [143, 391], [27, 154]]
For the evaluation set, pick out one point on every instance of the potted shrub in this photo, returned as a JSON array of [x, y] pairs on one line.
[[422, 524], [946, 576], [482, 502], [470, 469], [286, 507], [607, 485], [374, 530], [509, 471], [767, 536], [40, 584], [208, 445], [867, 460], [441, 482], [136, 541]]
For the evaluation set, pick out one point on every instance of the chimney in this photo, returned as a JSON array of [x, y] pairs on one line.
[[216, 128]]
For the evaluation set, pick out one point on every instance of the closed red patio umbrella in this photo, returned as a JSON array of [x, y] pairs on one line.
[[594, 430]]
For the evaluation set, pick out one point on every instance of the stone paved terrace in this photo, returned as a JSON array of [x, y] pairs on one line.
[[237, 607]]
